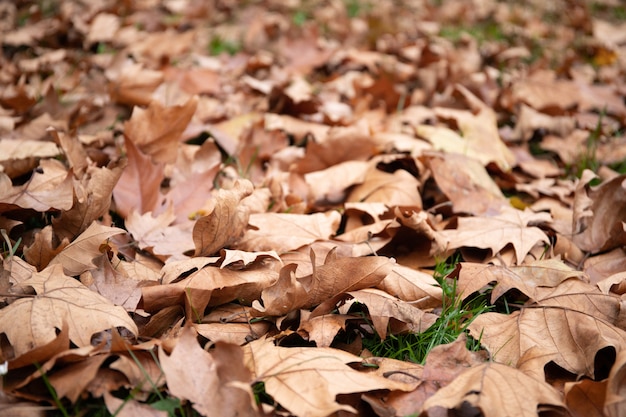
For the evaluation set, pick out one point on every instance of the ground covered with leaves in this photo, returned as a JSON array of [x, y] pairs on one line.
[[313, 208]]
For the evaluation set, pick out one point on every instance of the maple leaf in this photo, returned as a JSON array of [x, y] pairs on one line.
[[226, 221], [49, 187], [600, 221], [482, 388], [92, 200], [306, 381], [159, 236], [382, 307], [568, 324], [77, 257], [157, 129], [494, 233], [212, 381], [286, 232], [60, 299], [528, 278], [335, 276]]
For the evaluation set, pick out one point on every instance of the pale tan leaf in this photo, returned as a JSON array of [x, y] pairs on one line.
[[382, 307], [335, 276], [77, 257], [156, 130], [496, 390], [569, 329], [397, 189], [527, 278], [92, 200], [139, 186], [246, 258], [50, 187], [206, 378], [60, 299], [157, 235], [306, 381], [467, 184], [494, 233], [323, 329], [225, 223], [416, 287], [286, 232]]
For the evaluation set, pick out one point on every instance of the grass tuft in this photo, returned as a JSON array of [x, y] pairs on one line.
[[456, 314]]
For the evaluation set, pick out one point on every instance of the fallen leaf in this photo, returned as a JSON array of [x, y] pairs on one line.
[[50, 187], [139, 186], [60, 299], [306, 381], [283, 232], [77, 257], [225, 223], [156, 130], [481, 389], [207, 379], [603, 230], [494, 233], [335, 276]]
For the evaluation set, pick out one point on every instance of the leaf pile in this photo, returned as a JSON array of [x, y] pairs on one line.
[[217, 202]]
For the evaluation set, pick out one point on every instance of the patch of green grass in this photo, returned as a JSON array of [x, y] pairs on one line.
[[487, 30], [356, 7], [588, 158], [602, 10], [218, 46], [456, 314], [300, 17]]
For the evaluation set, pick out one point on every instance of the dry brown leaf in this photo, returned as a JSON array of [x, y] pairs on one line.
[[212, 381], [603, 230], [139, 186], [494, 233], [329, 185], [286, 232], [159, 236], [383, 307], [416, 287], [467, 184], [50, 187], [335, 276], [586, 398], [527, 278], [77, 257], [21, 156], [225, 223], [481, 139], [211, 285], [131, 83], [112, 284], [156, 130], [397, 189], [495, 390], [615, 402], [568, 329], [60, 299], [322, 329], [443, 364], [306, 381], [92, 200]]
